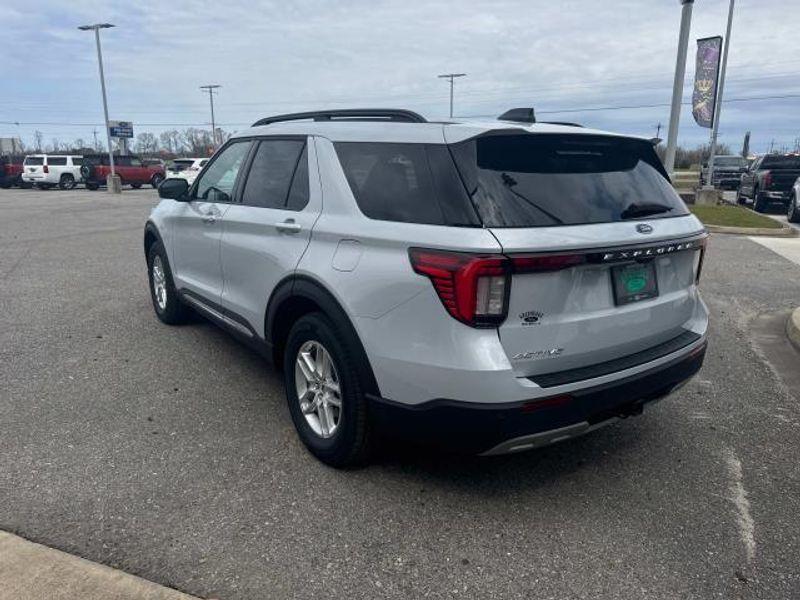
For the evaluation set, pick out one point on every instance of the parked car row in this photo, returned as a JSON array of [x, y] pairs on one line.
[[772, 178], [66, 171]]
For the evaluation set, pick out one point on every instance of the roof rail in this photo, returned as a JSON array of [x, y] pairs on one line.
[[349, 114], [564, 123]]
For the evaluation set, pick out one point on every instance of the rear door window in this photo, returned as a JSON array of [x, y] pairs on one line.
[[271, 172], [410, 183], [548, 180]]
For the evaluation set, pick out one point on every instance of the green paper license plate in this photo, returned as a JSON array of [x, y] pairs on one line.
[[634, 282]]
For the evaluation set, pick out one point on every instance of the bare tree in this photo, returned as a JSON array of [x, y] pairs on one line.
[[55, 145], [37, 140], [146, 143]]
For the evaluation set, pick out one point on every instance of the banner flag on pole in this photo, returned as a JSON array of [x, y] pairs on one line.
[[706, 76]]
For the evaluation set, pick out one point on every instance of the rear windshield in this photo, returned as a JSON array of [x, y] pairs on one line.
[[180, 165], [729, 161], [57, 161], [548, 180], [781, 162], [93, 160], [34, 160]]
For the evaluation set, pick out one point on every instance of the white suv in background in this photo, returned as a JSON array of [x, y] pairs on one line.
[[186, 168], [50, 170], [489, 287]]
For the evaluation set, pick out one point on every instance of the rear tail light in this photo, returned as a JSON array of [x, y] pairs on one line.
[[45, 169], [767, 179], [474, 288], [699, 255]]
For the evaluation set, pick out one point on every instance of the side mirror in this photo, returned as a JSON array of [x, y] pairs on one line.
[[174, 188]]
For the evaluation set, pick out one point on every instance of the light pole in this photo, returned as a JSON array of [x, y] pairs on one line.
[[112, 183], [211, 93], [677, 86], [451, 77], [718, 104]]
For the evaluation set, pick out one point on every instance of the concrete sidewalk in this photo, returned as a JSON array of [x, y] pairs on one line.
[[30, 571]]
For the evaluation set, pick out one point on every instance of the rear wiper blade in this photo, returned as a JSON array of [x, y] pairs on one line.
[[634, 211]]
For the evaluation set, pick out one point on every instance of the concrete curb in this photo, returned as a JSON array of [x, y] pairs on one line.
[[30, 571], [793, 328], [783, 231]]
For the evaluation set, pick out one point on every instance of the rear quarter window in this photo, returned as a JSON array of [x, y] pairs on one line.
[[550, 180], [409, 183], [57, 161]]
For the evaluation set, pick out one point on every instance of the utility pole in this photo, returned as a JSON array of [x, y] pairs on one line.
[[677, 86], [451, 77], [94, 133], [718, 102], [211, 92], [112, 182]]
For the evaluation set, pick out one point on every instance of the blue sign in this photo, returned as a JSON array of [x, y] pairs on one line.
[[120, 129]]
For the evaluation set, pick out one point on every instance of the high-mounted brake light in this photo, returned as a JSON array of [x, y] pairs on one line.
[[474, 288]]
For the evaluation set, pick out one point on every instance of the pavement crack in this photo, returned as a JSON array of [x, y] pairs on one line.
[[744, 520]]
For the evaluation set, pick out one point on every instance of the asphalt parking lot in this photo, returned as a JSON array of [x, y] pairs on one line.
[[170, 453]]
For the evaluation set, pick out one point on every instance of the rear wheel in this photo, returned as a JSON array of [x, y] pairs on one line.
[[740, 198], [91, 185], [324, 392], [759, 202], [156, 180], [67, 182], [169, 309], [793, 214], [136, 186]]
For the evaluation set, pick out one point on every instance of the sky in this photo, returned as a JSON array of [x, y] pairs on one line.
[[573, 60]]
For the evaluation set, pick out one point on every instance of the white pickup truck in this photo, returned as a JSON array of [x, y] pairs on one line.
[[50, 170]]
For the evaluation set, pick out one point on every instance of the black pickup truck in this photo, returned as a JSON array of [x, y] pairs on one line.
[[769, 179]]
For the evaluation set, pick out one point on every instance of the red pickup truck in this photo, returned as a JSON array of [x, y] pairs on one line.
[[95, 168], [11, 172]]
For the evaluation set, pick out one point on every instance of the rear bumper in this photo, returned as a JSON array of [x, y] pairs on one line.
[[497, 428]]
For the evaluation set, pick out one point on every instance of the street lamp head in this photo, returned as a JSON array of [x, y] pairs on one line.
[[96, 26]]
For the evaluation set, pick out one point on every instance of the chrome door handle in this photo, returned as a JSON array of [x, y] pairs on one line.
[[288, 226]]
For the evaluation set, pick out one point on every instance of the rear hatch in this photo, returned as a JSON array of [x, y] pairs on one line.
[[178, 166], [604, 252], [34, 166]]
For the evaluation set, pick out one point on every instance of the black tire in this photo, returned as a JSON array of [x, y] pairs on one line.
[[759, 202], [67, 182], [350, 443], [156, 180], [793, 214], [740, 198], [5, 183], [92, 186], [25, 185], [136, 186], [173, 311]]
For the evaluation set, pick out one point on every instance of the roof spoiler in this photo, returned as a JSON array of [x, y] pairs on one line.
[[518, 115]]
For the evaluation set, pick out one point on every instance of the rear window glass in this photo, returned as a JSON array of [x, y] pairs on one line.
[[180, 165], [549, 180], [729, 161], [57, 161], [781, 162], [410, 183], [34, 160]]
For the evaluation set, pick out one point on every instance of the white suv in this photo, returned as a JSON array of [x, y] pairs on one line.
[[186, 168], [50, 170], [487, 287]]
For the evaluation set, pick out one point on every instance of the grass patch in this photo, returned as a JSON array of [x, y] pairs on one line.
[[732, 216]]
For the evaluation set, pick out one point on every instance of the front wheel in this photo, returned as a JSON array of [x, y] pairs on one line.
[[759, 202], [324, 392], [793, 215], [156, 180], [169, 309]]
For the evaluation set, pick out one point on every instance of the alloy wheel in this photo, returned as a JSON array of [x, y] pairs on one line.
[[318, 389]]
